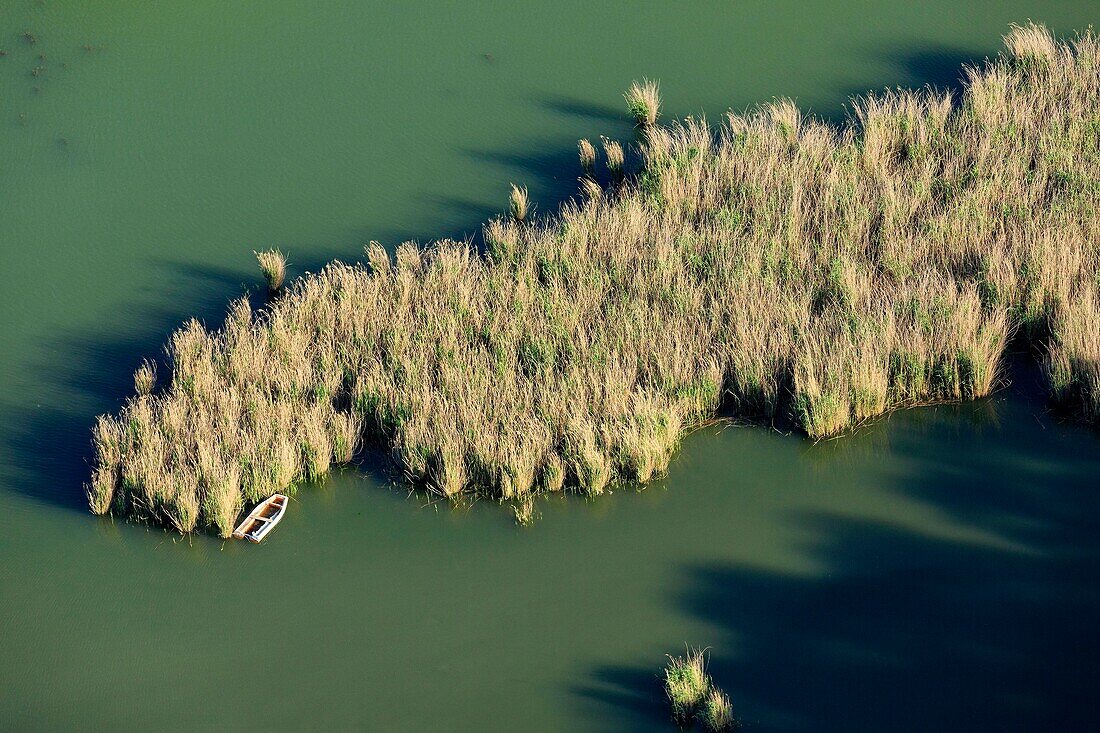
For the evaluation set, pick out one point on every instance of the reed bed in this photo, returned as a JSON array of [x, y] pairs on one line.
[[773, 267]]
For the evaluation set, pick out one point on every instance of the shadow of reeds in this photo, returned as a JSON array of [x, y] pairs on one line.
[[910, 629], [635, 694], [604, 114], [49, 444], [963, 601]]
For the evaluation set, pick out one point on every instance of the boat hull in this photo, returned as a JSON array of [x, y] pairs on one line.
[[262, 519]]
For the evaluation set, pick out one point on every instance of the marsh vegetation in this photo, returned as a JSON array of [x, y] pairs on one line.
[[773, 268], [273, 266], [693, 696]]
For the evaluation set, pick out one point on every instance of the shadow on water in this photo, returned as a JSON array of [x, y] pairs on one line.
[[550, 166], [550, 169], [936, 67], [605, 114], [50, 444], [977, 615], [637, 696], [962, 639]]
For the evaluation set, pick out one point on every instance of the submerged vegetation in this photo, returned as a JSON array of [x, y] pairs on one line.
[[774, 268]]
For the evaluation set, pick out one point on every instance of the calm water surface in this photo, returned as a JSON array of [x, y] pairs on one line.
[[936, 571]]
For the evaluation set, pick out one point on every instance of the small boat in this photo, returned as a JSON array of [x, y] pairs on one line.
[[262, 519]]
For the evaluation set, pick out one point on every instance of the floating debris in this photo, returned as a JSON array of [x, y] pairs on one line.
[[30, 38]]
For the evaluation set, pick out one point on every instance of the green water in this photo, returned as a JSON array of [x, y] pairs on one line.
[[936, 571]]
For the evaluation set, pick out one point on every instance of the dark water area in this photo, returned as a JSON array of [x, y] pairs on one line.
[[936, 570]]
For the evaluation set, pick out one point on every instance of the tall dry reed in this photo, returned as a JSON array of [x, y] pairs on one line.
[[273, 266], [643, 100], [587, 155], [775, 267]]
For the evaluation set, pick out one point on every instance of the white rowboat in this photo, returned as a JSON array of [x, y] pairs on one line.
[[262, 519]]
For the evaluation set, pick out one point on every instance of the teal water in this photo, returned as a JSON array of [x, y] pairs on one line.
[[935, 571]]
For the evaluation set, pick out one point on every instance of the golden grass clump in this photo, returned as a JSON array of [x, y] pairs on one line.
[[591, 190], [145, 378], [518, 203], [692, 695], [716, 713], [616, 158], [587, 154], [644, 102], [108, 437], [774, 267], [1074, 361], [273, 266], [1032, 44], [686, 684]]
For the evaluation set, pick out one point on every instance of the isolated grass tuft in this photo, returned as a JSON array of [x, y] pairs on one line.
[[587, 154], [518, 204], [644, 102], [716, 713], [686, 684], [273, 266], [692, 694]]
